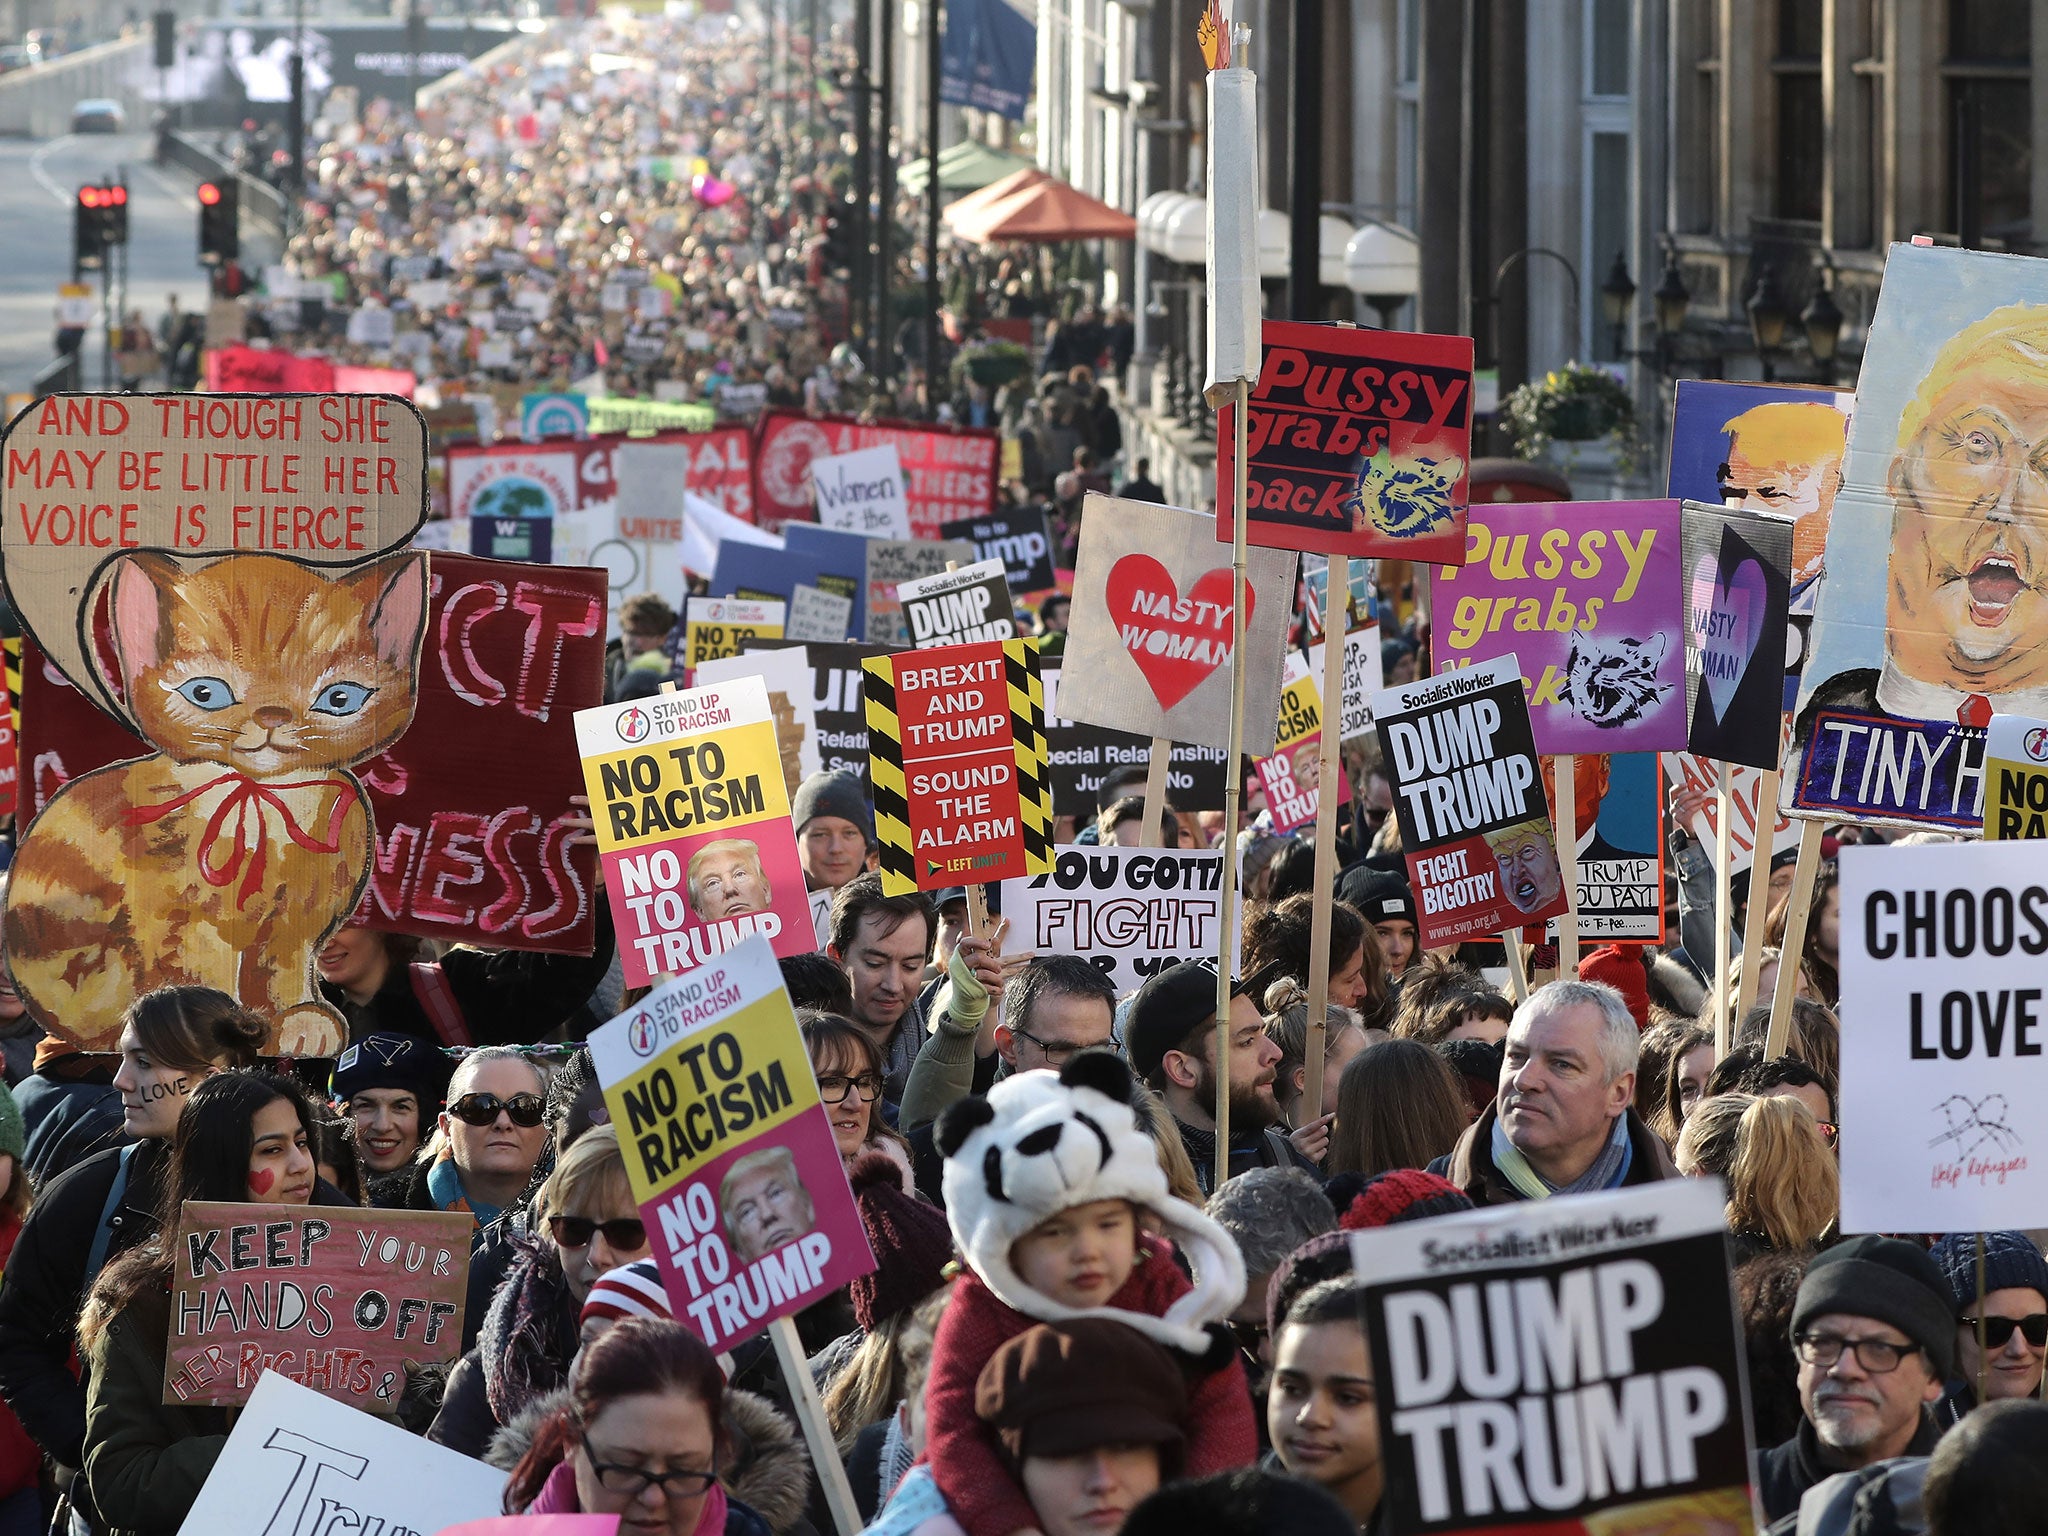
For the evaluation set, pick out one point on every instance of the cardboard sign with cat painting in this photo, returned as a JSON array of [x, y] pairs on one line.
[[264, 639]]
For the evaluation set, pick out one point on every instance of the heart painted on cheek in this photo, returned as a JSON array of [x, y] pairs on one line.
[[261, 1180], [1733, 618], [1176, 641]]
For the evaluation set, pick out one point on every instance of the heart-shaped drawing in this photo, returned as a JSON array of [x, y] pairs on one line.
[[1176, 640], [1732, 616]]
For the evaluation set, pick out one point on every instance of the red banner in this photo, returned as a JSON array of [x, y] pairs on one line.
[[951, 470], [240, 370], [472, 803], [721, 465]]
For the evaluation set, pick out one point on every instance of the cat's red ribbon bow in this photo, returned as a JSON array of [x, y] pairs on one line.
[[247, 851]]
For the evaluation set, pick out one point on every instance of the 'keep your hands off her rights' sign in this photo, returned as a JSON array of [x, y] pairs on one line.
[[693, 828], [728, 1149]]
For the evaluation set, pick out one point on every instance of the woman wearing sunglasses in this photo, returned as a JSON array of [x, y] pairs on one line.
[[849, 1072], [642, 1436], [585, 1224], [482, 1155], [2013, 1313]]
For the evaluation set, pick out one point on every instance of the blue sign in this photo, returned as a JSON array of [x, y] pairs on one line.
[[1871, 765], [553, 416], [988, 55]]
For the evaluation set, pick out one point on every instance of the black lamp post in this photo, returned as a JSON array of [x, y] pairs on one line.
[[1767, 319], [1617, 294], [1822, 321], [1672, 299]]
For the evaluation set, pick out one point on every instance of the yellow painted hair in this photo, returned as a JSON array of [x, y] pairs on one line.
[[2013, 339], [1789, 432]]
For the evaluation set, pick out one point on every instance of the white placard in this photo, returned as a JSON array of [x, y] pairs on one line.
[[1132, 912], [863, 492], [1362, 679], [297, 1462], [786, 674], [815, 614]]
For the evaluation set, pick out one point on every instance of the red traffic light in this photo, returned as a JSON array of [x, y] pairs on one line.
[[209, 194], [89, 197], [116, 196]]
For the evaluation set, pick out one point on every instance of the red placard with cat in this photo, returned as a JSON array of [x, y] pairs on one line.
[[472, 805], [265, 622], [1358, 444]]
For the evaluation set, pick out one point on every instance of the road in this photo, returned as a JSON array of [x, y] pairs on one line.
[[38, 182]]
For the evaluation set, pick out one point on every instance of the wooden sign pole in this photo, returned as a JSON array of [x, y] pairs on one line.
[[1759, 914], [1568, 865], [1336, 610], [810, 1412], [1799, 900], [1518, 968], [1723, 917], [1233, 779], [1155, 793]]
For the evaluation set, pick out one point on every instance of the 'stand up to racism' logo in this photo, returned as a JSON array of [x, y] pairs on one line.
[[641, 1035], [2036, 744], [634, 725]]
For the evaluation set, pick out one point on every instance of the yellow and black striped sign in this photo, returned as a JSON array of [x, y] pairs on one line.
[[957, 757]]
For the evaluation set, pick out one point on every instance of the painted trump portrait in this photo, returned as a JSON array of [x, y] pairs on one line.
[[1786, 457], [1527, 859]]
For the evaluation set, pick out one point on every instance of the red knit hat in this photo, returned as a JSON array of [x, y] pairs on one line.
[[1402, 1194], [911, 1241], [1620, 967]]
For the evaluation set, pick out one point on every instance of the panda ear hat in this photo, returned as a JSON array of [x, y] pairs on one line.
[[1039, 1144]]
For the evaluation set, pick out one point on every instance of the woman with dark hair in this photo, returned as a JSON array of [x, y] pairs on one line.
[[1278, 937], [848, 1066], [1687, 1065], [1398, 1106], [245, 1136], [334, 1152], [1820, 958], [642, 1436], [1320, 1408], [172, 1040]]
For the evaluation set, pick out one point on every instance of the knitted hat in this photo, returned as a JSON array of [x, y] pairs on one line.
[[394, 1061], [13, 1139], [1379, 897], [1402, 1194], [1620, 966], [1326, 1256], [1171, 1006], [1062, 1390], [1890, 1280], [1478, 1067], [832, 794], [2011, 1263], [1040, 1144], [631, 1290], [911, 1242]]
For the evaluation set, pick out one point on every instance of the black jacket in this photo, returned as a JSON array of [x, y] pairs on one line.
[[1785, 1472], [507, 997], [490, 1249], [66, 1121]]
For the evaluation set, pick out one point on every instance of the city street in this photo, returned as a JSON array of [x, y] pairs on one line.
[[40, 181]]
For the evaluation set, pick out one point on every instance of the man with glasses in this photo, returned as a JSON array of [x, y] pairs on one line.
[[1874, 1331], [2011, 1307]]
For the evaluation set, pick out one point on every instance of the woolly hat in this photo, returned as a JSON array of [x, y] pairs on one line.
[[1040, 1144], [1620, 966], [1890, 1280], [2011, 1263], [631, 1290], [1478, 1067], [1402, 1194], [1060, 1391], [1377, 896], [13, 1139], [911, 1242], [832, 794], [394, 1061]]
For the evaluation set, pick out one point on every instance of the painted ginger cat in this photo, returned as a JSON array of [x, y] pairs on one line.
[[228, 857]]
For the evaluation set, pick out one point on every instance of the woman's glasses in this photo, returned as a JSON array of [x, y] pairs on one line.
[[833, 1088], [526, 1109], [1998, 1331], [633, 1481], [626, 1234]]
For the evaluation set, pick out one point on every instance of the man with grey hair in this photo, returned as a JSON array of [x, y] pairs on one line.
[[1269, 1212], [1561, 1123]]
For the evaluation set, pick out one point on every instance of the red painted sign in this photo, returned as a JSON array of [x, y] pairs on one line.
[[472, 803], [1176, 639], [240, 370], [952, 471], [338, 1300]]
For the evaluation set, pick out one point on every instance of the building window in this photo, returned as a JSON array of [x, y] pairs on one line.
[[1607, 232], [1607, 46], [1990, 120], [1801, 120], [1408, 114]]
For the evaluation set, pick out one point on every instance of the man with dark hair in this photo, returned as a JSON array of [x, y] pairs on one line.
[[1053, 1007], [882, 943], [1123, 825], [1789, 1077], [1989, 1475], [816, 983], [575, 1100]]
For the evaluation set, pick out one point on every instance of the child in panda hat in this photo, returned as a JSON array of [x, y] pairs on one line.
[[1045, 1181]]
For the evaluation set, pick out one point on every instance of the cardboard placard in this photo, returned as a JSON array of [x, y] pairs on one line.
[[1021, 540], [1626, 1409], [950, 471], [725, 626], [786, 674], [1930, 618], [815, 614], [338, 1301], [1468, 794], [744, 570], [512, 480], [838, 695], [1619, 814], [862, 492], [1589, 595], [1735, 626], [297, 1462], [956, 740], [1079, 758], [884, 564], [1292, 775], [728, 1149], [1359, 442], [958, 607], [2016, 778], [1130, 912], [1941, 950], [1150, 633], [1362, 679], [693, 826], [1699, 777]]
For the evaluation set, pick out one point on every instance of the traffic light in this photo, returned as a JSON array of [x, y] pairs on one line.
[[839, 227], [166, 28], [99, 221], [220, 231]]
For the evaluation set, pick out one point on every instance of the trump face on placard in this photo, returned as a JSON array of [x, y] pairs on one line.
[[726, 880], [765, 1203]]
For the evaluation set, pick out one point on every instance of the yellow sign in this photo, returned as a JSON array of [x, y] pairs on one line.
[[717, 627], [2015, 778]]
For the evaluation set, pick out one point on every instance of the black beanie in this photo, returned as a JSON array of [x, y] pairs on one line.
[[1889, 1280], [394, 1061], [832, 794]]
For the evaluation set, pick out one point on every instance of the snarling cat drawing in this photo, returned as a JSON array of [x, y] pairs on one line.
[[1612, 680], [227, 857], [1406, 496]]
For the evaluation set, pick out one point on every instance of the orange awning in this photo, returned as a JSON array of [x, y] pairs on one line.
[[994, 192], [1044, 211]]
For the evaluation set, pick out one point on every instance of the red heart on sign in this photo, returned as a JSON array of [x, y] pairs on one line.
[[1176, 641]]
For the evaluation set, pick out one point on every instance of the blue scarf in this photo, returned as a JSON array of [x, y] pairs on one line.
[[1607, 1170]]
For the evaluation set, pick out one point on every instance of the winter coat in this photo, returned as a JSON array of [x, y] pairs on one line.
[[522, 1353], [1469, 1164], [144, 1462], [507, 997], [66, 1120], [1883, 1499], [21, 1463], [767, 1468], [1785, 1472]]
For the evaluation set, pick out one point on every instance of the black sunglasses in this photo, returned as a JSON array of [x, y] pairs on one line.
[[625, 1234], [526, 1109], [1998, 1331]]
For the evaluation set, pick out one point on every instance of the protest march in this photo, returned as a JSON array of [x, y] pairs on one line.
[[611, 924]]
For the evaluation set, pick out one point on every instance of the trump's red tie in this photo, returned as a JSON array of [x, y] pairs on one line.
[[1975, 710]]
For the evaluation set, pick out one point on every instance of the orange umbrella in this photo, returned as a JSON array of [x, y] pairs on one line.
[[1046, 211], [994, 192]]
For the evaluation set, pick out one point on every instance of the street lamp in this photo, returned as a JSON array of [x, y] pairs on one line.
[[1671, 298], [1617, 294], [1822, 321], [1767, 319]]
